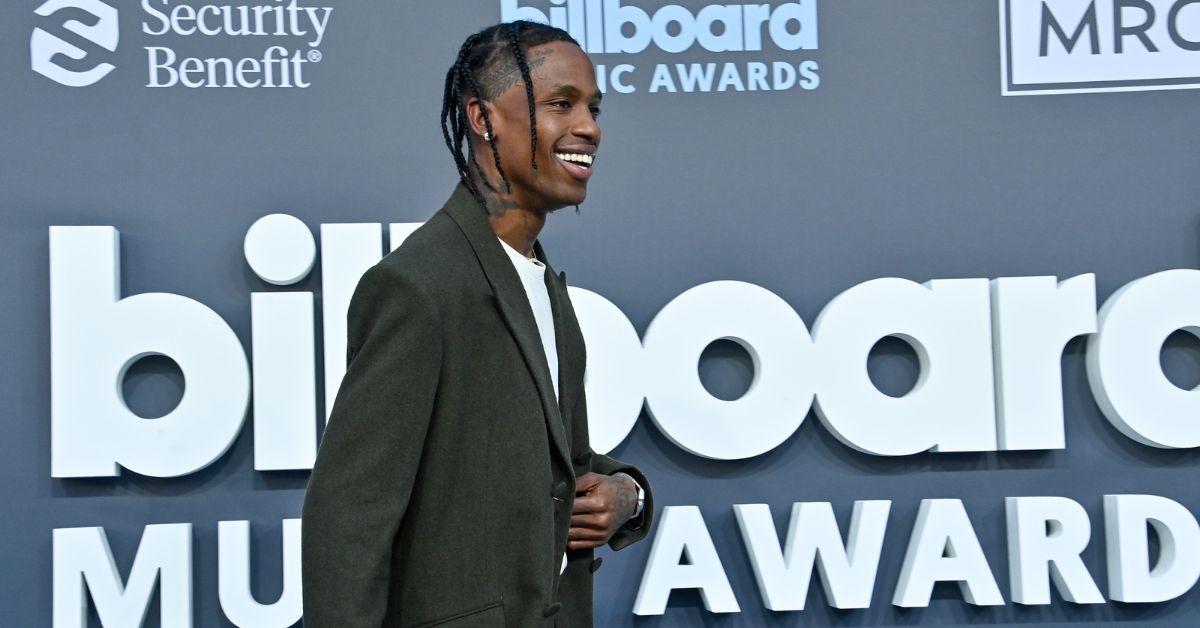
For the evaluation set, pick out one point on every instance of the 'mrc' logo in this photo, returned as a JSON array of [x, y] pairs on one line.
[[45, 47], [1068, 46]]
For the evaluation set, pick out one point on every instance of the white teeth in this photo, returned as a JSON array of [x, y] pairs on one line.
[[575, 157]]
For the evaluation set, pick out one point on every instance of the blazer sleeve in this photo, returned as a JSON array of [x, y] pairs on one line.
[[635, 529], [368, 458]]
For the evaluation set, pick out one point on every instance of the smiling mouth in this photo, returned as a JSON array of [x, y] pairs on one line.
[[577, 158], [578, 165]]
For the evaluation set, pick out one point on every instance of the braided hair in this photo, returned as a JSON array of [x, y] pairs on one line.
[[481, 57]]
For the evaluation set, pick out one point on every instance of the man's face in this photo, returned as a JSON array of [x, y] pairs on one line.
[[567, 102]]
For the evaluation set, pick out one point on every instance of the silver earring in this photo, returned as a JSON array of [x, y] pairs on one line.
[[487, 137]]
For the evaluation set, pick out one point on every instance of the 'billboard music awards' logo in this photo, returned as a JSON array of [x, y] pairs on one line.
[[1071, 46], [610, 30], [56, 57]]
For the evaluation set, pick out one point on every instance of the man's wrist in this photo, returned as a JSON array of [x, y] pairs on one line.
[[640, 496]]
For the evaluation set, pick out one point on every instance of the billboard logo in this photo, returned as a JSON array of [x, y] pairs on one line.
[[1073, 46], [612, 27], [782, 39], [45, 47]]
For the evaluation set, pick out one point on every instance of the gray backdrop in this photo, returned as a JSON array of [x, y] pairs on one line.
[[905, 162]]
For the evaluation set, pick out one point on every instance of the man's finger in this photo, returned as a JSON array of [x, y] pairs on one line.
[[583, 544], [587, 481], [588, 504], [586, 534], [586, 521]]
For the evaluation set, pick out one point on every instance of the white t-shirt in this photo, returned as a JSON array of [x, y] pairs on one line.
[[533, 278]]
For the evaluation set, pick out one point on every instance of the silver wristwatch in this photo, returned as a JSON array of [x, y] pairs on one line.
[[641, 500]]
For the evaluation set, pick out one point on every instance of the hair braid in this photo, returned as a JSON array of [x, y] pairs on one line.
[[450, 127], [453, 117], [514, 43], [466, 173], [487, 122]]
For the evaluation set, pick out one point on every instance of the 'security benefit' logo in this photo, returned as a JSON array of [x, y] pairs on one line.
[[45, 48], [91, 29]]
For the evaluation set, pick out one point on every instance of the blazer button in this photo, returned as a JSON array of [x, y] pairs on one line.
[[551, 610], [596, 564], [559, 492]]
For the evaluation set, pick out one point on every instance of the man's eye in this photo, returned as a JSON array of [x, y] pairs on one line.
[[561, 104], [595, 112]]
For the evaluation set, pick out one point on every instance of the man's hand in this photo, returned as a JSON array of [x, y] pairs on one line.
[[603, 503]]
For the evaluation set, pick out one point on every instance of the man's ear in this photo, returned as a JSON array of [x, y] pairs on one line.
[[475, 116]]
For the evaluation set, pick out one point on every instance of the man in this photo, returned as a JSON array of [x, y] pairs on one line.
[[455, 485]]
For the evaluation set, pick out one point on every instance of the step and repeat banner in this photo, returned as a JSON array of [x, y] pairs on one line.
[[895, 303]]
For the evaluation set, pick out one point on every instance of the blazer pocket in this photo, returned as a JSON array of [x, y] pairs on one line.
[[486, 616]]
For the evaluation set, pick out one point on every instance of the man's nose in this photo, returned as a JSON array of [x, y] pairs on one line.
[[587, 127]]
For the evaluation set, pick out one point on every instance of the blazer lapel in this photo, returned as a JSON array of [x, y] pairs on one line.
[[514, 309], [565, 327]]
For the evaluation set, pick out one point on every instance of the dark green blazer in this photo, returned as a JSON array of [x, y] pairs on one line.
[[442, 490]]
